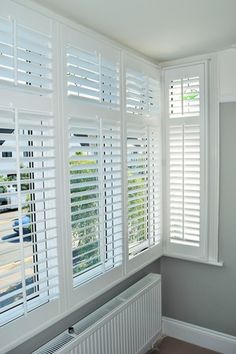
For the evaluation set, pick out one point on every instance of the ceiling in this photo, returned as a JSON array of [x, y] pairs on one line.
[[160, 29]]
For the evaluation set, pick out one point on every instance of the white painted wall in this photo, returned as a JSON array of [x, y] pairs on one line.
[[227, 75]]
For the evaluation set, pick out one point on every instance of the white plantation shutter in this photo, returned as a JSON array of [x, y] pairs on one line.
[[95, 195], [29, 269], [92, 105], [29, 275], [92, 74], [142, 94], [34, 60], [184, 97], [6, 51], [82, 74], [186, 129], [143, 157], [143, 162], [25, 57], [137, 159]]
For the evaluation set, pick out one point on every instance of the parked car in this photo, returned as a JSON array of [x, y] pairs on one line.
[[25, 225], [3, 199]]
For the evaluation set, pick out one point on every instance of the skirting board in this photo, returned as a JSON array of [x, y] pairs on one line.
[[220, 342]]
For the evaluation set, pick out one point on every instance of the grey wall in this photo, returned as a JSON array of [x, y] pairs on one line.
[[59, 327], [201, 294]]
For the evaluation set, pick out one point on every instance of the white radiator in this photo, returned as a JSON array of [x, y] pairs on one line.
[[127, 324]]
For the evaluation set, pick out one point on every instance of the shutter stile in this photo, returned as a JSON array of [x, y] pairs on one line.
[[154, 206], [29, 266]]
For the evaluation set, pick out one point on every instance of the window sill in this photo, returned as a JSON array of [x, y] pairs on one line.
[[197, 260]]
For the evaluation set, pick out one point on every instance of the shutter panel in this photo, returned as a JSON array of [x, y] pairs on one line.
[[6, 51], [142, 94], [92, 77], [185, 183], [25, 57], [144, 209], [83, 74], [143, 156], [184, 97], [29, 275], [34, 60], [186, 129], [95, 184], [137, 157]]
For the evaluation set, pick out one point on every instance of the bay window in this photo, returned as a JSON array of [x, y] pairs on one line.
[[81, 167]]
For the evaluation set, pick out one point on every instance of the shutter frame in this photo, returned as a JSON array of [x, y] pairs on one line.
[[185, 121]]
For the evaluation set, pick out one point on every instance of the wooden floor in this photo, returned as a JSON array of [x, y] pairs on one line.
[[171, 345]]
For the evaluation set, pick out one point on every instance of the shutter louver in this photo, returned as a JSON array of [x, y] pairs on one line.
[[25, 57], [110, 87], [95, 182], [28, 268], [184, 147], [142, 94], [82, 74], [6, 51], [34, 60], [137, 157], [184, 97], [143, 158], [92, 77]]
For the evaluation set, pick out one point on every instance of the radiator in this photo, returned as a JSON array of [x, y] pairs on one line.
[[127, 324]]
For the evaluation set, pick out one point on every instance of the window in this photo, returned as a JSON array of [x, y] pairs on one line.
[[81, 167], [6, 154], [186, 152], [95, 195], [143, 148], [28, 263], [29, 269]]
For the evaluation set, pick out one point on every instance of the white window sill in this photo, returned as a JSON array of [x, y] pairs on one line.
[[197, 260]]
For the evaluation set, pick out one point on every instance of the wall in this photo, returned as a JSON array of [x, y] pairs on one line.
[[201, 294], [62, 325], [227, 74]]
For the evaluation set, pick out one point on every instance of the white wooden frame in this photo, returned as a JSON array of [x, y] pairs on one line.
[[210, 251]]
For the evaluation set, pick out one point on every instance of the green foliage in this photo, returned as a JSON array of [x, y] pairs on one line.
[[85, 242], [191, 96]]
